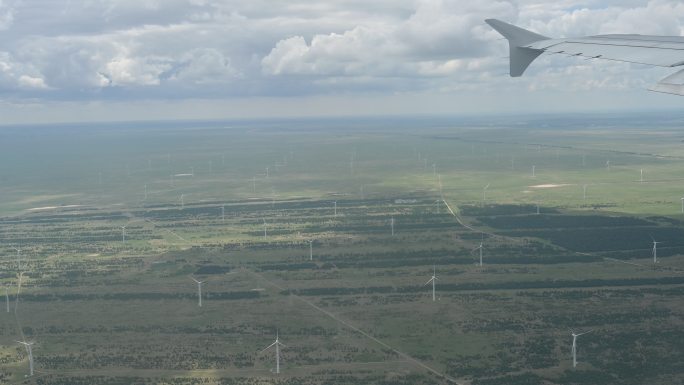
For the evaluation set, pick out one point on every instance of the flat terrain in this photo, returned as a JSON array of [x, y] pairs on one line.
[[325, 234]]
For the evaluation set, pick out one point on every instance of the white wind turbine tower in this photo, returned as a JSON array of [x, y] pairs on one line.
[[392, 225], [265, 234], [335, 203], [30, 354], [584, 192], [574, 346], [7, 297], [267, 174], [16, 301], [641, 177], [182, 199], [484, 193], [199, 291], [655, 251], [223, 213], [123, 234], [433, 279], [608, 165], [145, 192], [533, 169], [310, 249], [480, 249], [682, 205], [277, 345]]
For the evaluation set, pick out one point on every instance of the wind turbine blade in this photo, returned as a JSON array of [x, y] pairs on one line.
[[268, 347], [429, 281], [581, 334]]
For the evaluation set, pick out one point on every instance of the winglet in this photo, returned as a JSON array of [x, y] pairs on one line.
[[518, 38]]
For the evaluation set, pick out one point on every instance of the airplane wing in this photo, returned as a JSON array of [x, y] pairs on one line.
[[661, 51]]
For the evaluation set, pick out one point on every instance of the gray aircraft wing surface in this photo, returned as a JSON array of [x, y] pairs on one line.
[[661, 51]]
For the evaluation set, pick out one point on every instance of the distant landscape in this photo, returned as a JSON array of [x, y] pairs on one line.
[[324, 234]]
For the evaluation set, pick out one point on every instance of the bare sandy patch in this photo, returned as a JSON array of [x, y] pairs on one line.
[[549, 185], [53, 207]]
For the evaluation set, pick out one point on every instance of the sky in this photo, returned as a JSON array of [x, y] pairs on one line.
[[127, 60]]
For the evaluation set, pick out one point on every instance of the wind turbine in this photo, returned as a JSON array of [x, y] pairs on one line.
[[655, 251], [182, 199], [265, 234], [253, 184], [267, 174], [223, 213], [433, 279], [537, 208], [199, 291], [533, 168], [335, 203], [145, 192], [641, 178], [392, 225], [682, 205], [574, 346], [584, 192], [277, 345], [608, 165], [123, 234], [484, 193], [16, 301], [7, 297], [480, 248], [30, 354], [310, 249]]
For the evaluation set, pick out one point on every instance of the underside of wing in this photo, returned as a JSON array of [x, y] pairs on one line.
[[652, 50], [662, 51]]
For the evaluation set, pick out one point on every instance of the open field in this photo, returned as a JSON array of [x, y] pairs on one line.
[[289, 226]]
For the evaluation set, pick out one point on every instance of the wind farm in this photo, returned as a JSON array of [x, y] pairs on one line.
[[268, 230]]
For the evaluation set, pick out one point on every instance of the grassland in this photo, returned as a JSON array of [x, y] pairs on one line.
[[196, 200]]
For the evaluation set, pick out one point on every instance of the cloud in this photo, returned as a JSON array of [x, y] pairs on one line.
[[154, 49], [432, 36], [6, 14]]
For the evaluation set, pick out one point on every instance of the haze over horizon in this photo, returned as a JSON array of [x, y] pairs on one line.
[[203, 59]]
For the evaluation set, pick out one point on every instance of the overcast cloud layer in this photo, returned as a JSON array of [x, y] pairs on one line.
[[79, 59]]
